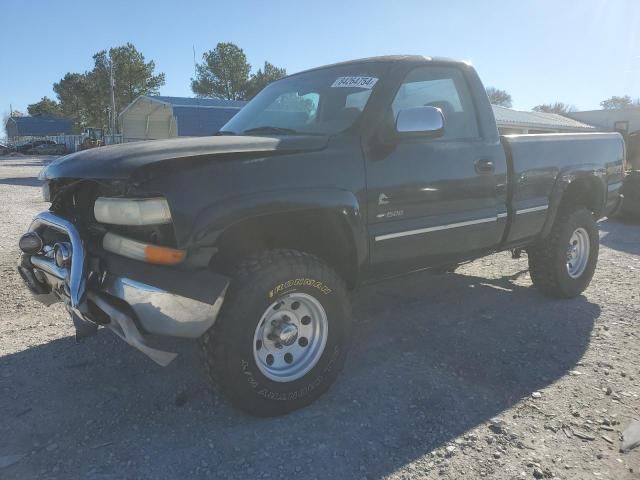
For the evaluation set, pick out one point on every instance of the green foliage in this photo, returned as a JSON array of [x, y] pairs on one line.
[[132, 75], [45, 108], [619, 102], [72, 90], [86, 97], [225, 73], [557, 107], [499, 97], [263, 77]]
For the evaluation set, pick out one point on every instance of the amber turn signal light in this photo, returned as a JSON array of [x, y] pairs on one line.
[[142, 251]]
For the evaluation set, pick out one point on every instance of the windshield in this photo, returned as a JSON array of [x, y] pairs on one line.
[[320, 102]]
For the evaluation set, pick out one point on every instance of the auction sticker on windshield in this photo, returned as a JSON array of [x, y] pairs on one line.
[[354, 82]]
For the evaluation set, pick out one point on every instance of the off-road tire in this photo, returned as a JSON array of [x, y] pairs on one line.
[[227, 348], [548, 258]]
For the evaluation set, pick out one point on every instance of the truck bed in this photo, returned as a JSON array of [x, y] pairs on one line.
[[541, 166]]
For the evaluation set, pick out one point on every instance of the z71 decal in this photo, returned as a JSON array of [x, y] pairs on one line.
[[390, 214]]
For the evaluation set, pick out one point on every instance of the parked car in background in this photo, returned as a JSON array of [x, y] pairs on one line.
[[631, 188], [326, 180], [48, 149], [24, 147], [6, 148]]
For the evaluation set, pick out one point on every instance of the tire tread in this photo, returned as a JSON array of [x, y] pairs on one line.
[[542, 256]]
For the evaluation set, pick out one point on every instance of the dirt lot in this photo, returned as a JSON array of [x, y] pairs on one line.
[[465, 375]]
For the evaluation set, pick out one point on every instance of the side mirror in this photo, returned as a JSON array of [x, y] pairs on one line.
[[421, 122]]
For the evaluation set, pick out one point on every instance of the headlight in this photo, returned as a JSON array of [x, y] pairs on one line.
[[132, 211]]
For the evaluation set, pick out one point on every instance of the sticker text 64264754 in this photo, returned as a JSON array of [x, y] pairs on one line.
[[354, 82]]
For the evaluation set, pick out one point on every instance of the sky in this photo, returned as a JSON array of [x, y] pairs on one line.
[[575, 51]]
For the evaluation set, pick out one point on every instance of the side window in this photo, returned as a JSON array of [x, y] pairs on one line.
[[444, 88], [357, 100]]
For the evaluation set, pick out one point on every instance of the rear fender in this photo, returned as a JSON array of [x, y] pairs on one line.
[[594, 180]]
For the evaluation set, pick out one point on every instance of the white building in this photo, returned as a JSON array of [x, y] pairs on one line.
[[514, 121]]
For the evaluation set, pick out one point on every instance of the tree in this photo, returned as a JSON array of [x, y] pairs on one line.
[[263, 77], [619, 102], [499, 97], [132, 75], [72, 92], [45, 108], [557, 107], [224, 73], [86, 97]]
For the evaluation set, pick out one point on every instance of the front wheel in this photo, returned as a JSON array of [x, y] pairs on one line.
[[563, 264], [283, 333]]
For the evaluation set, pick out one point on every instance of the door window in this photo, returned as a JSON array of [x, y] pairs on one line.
[[444, 88], [357, 99]]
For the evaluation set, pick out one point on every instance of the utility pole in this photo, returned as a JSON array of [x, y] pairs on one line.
[[112, 123]]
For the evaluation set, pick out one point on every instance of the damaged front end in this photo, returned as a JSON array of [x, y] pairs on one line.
[[64, 259]]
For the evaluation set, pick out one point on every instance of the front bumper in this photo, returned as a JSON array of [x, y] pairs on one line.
[[130, 297]]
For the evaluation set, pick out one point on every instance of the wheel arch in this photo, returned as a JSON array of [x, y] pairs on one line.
[[330, 229], [586, 188]]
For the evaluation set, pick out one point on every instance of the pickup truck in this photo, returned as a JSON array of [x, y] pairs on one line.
[[251, 240], [631, 186]]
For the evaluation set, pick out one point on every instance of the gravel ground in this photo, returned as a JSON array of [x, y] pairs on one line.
[[505, 384]]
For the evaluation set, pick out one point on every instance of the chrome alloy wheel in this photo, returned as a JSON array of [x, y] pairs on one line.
[[578, 253], [290, 337]]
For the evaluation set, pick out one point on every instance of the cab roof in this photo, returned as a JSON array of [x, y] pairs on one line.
[[391, 59]]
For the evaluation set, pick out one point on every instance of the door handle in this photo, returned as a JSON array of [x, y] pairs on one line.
[[484, 165]]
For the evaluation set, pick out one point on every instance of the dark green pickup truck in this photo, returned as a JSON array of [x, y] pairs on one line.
[[251, 240]]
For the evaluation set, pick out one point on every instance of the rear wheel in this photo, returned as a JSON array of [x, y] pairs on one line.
[[563, 264], [283, 333]]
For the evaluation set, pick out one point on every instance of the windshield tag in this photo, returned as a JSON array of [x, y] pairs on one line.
[[354, 82]]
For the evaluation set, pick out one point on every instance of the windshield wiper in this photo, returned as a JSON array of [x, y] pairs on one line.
[[224, 132], [272, 129]]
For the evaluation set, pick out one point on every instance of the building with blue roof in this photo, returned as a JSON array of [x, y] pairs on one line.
[[153, 117], [27, 127]]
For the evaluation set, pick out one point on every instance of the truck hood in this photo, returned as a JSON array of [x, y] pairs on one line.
[[122, 161]]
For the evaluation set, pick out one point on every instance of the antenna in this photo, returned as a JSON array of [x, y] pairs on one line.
[[195, 70]]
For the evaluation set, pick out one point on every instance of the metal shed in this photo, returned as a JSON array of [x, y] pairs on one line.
[[26, 127], [155, 117], [624, 120], [514, 121]]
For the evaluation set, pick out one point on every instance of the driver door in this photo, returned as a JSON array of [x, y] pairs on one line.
[[433, 201]]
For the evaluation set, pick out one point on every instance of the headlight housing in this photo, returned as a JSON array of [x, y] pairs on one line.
[[132, 211]]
